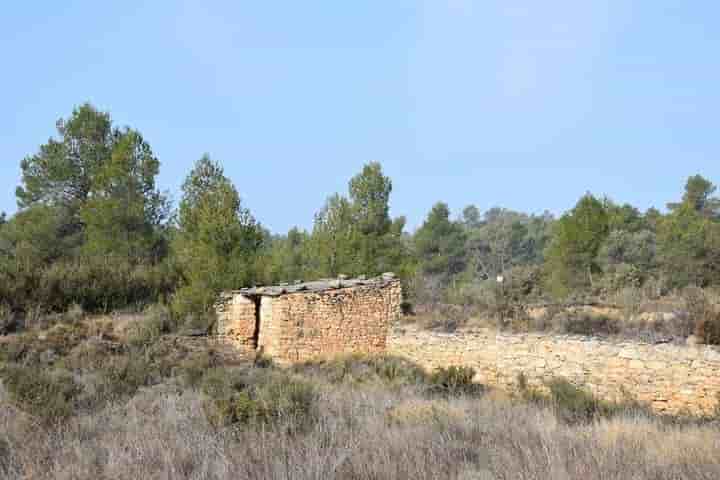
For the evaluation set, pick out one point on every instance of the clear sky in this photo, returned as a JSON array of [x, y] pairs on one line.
[[523, 104]]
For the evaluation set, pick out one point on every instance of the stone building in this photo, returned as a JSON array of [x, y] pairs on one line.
[[297, 322]]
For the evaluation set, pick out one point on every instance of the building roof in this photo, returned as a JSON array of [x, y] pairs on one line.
[[317, 285]]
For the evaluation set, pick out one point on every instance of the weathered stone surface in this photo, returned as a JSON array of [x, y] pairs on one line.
[[670, 378], [315, 319]]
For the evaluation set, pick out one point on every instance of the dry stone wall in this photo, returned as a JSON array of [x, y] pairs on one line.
[[302, 325], [236, 320], [348, 320], [669, 378]]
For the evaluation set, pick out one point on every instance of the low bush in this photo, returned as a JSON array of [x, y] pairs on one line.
[[192, 369], [704, 314], [358, 368], [16, 351], [31, 348], [575, 404], [582, 323], [155, 321], [62, 338], [447, 317], [455, 380], [46, 395], [121, 376], [260, 397], [101, 284], [8, 321], [423, 412]]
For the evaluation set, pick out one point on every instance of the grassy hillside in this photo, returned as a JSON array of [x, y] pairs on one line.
[[90, 398]]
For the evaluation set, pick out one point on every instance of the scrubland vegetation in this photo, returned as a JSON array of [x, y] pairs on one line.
[[94, 230], [118, 407], [101, 275]]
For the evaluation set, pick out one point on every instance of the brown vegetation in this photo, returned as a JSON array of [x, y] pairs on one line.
[[122, 401]]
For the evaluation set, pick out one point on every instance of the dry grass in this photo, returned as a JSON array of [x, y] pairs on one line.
[[143, 414], [362, 432]]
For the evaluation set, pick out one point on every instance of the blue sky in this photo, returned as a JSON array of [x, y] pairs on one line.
[[522, 104]]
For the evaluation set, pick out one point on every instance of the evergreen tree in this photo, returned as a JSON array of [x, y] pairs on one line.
[[124, 213], [439, 243], [572, 253], [355, 235], [698, 197], [217, 240], [332, 239]]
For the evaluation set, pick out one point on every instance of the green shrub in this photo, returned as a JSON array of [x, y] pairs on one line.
[[29, 347], [191, 370], [455, 380], [47, 395], [62, 338], [708, 329], [705, 315], [154, 322], [102, 284], [121, 376], [17, 350], [573, 403], [7, 319], [74, 313], [527, 392], [359, 368], [263, 361], [259, 398], [581, 323]]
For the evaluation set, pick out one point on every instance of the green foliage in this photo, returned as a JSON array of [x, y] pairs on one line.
[[572, 403], [332, 240], [357, 368], [698, 197], [47, 395], [370, 196], [455, 380], [217, 239], [155, 321], [580, 323], [92, 229], [121, 376], [288, 258], [704, 315], [37, 236], [61, 173], [624, 217], [576, 404], [101, 284], [439, 243], [192, 370], [260, 397], [471, 217], [8, 320], [124, 213], [90, 220], [689, 247], [355, 235], [506, 239], [571, 256], [98, 181], [629, 248]]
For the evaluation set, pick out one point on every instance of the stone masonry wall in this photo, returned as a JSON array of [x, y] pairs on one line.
[[236, 320], [312, 324], [670, 378]]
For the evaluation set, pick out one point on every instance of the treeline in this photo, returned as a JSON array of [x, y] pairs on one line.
[[94, 229]]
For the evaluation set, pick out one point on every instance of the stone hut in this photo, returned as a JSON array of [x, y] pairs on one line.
[[300, 321]]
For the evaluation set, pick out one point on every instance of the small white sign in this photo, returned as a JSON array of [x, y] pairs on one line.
[[500, 279]]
